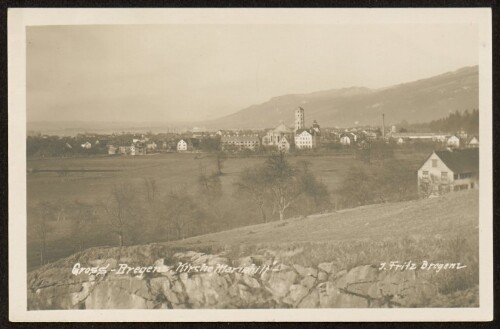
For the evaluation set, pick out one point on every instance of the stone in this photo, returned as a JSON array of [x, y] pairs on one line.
[[308, 282], [109, 295], [159, 285], [297, 293], [305, 271], [177, 287], [359, 279], [327, 267], [322, 276], [332, 297], [251, 282], [310, 301], [194, 291], [279, 283]]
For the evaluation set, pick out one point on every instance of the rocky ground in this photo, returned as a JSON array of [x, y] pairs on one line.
[[265, 279]]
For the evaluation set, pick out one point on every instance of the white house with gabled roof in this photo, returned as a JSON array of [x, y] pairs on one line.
[[181, 145]]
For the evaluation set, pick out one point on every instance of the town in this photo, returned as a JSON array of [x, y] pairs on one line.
[[452, 148]]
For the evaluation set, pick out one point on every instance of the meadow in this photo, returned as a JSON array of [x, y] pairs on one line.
[[90, 179]]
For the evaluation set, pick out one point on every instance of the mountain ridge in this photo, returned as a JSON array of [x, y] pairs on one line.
[[416, 101]]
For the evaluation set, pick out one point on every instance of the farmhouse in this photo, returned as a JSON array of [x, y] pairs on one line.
[[449, 170], [240, 142], [181, 145]]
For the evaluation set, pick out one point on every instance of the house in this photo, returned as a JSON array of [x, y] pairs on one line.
[[473, 142], [453, 141], [345, 139], [305, 139], [151, 146], [249, 142], [348, 138], [86, 145], [449, 170], [284, 145], [181, 146], [112, 149], [124, 149], [138, 149]]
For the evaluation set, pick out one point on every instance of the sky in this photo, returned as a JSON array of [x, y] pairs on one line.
[[175, 73]]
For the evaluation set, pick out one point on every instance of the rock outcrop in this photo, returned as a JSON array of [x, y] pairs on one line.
[[139, 279]]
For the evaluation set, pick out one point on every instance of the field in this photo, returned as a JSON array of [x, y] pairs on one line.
[[91, 179]]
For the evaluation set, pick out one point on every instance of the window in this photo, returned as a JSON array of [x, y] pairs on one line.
[[455, 176], [425, 173], [434, 163], [444, 175], [471, 185]]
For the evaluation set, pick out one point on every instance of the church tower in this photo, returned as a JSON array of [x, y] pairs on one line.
[[299, 118]]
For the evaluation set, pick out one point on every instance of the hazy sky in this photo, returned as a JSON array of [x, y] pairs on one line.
[[197, 72]]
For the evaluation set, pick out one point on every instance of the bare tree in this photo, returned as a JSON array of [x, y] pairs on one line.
[[151, 189], [220, 158], [179, 211], [281, 181], [122, 212], [252, 182], [84, 216], [42, 226]]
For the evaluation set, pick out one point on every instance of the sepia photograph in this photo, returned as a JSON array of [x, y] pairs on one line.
[[251, 160]]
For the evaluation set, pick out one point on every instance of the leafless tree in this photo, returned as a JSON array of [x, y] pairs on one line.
[[179, 212], [220, 158], [151, 189], [42, 226], [252, 183], [282, 182], [122, 212], [83, 216]]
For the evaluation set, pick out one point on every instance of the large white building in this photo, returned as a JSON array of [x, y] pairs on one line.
[[240, 142], [306, 139]]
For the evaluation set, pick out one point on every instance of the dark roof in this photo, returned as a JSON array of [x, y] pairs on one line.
[[461, 161]]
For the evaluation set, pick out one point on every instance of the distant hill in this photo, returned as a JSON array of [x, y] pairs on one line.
[[419, 101]]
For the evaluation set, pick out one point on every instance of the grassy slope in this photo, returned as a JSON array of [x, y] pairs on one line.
[[451, 214]]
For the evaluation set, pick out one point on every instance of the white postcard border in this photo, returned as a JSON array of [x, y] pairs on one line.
[[18, 19]]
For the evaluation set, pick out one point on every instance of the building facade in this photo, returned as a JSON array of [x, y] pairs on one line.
[[449, 170], [240, 142], [306, 139], [181, 145]]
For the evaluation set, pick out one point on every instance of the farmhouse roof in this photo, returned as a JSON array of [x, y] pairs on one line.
[[460, 161]]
